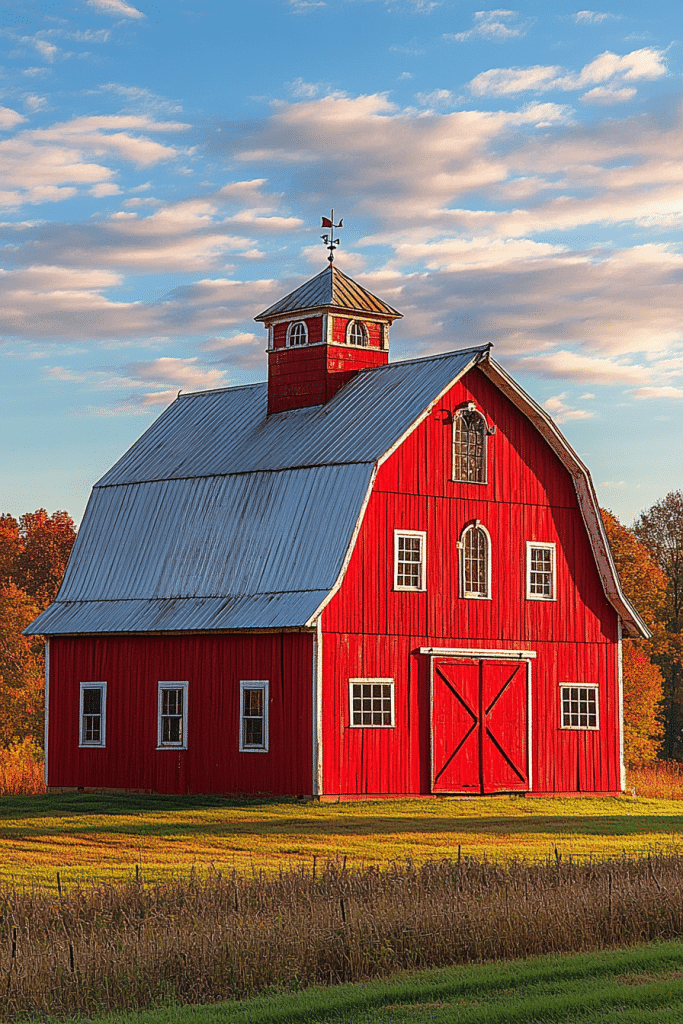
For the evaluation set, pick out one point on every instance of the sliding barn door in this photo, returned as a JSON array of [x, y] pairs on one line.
[[480, 723]]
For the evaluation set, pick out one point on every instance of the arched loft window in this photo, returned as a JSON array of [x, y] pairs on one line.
[[297, 333], [475, 561], [356, 333], [469, 445]]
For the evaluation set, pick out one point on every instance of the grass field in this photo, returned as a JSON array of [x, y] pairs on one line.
[[96, 836], [634, 986]]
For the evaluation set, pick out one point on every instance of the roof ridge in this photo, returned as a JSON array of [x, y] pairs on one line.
[[425, 359]]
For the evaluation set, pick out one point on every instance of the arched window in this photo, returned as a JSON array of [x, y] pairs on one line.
[[469, 445], [297, 333], [475, 561], [356, 333]]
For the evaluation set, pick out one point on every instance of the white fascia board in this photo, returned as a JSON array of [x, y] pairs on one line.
[[585, 493]]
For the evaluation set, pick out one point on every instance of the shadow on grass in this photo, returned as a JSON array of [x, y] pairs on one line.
[[79, 814]]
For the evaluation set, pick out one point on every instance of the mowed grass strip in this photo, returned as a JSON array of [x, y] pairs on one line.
[[84, 835], [641, 984]]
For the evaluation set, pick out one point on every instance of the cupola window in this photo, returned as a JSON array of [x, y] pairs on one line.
[[356, 333], [297, 334]]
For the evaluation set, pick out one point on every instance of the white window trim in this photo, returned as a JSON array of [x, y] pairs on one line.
[[172, 684], [530, 544], [288, 339], [366, 334], [488, 429], [253, 684], [102, 742], [422, 534], [372, 679], [581, 728], [461, 563]]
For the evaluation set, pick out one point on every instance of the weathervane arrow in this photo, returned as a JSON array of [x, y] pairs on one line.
[[330, 241]]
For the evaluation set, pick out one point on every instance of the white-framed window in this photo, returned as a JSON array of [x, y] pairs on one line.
[[470, 431], [580, 707], [410, 570], [93, 715], [297, 334], [254, 715], [475, 561], [371, 703], [356, 333], [541, 584], [172, 715]]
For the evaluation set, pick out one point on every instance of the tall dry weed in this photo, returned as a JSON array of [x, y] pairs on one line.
[[121, 947], [21, 769], [661, 779]]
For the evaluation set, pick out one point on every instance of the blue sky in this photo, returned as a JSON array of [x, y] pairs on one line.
[[505, 175]]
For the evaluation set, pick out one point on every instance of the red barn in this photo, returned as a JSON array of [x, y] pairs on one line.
[[361, 578]]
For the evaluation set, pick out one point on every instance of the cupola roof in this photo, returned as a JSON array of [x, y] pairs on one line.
[[334, 288]]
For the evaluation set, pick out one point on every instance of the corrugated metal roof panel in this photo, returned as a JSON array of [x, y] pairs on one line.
[[254, 611], [254, 533], [228, 431], [332, 287]]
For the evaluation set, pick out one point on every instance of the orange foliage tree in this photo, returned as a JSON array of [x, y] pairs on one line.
[[645, 585], [33, 554]]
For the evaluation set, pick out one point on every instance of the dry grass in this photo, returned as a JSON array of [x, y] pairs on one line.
[[662, 780], [128, 946], [21, 769]]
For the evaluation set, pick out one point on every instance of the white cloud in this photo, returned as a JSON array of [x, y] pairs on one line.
[[592, 17], [35, 102], [117, 8], [302, 89], [45, 49], [658, 392], [645, 64], [436, 98], [608, 94], [569, 365], [560, 411], [8, 118], [497, 25]]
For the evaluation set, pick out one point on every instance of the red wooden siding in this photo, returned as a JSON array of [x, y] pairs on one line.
[[372, 630], [311, 375], [315, 331], [340, 323], [213, 664]]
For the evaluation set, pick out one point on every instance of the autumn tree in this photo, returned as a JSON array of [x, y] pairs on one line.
[[33, 554], [660, 530], [645, 586]]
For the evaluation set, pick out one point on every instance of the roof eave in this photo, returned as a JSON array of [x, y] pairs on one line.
[[632, 622]]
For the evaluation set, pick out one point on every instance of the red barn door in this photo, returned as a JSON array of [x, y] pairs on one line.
[[480, 720]]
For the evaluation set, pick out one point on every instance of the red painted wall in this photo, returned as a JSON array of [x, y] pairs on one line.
[[213, 665], [371, 630], [311, 375]]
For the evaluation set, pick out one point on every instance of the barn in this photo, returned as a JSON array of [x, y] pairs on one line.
[[358, 579]]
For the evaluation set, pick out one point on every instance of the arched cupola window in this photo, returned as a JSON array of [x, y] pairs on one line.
[[356, 333], [469, 445], [297, 333], [475, 561]]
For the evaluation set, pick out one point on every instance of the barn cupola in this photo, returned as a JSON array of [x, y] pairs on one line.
[[320, 336]]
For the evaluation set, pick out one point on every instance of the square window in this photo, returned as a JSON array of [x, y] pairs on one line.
[[540, 572], [172, 715], [371, 703], [93, 708], [409, 560], [579, 706], [254, 715]]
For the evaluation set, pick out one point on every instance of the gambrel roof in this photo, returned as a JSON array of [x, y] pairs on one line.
[[331, 288], [222, 517]]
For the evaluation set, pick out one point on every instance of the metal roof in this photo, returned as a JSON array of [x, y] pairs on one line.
[[220, 517], [332, 287]]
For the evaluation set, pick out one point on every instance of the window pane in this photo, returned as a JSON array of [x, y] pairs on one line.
[[409, 562], [469, 447], [579, 707], [476, 562], [171, 729], [92, 701], [541, 572], [253, 702], [371, 704], [253, 732]]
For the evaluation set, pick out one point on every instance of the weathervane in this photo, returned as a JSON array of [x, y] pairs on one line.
[[330, 241]]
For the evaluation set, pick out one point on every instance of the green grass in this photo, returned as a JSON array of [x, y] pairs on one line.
[[85, 836], [642, 984]]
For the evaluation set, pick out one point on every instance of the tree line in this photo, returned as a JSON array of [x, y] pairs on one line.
[[35, 548]]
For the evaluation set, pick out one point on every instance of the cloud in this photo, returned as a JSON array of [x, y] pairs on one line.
[[568, 365], [117, 8], [34, 102], [592, 17], [437, 98], [644, 64], [8, 118], [658, 392], [607, 94], [499, 26], [140, 98], [560, 411]]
